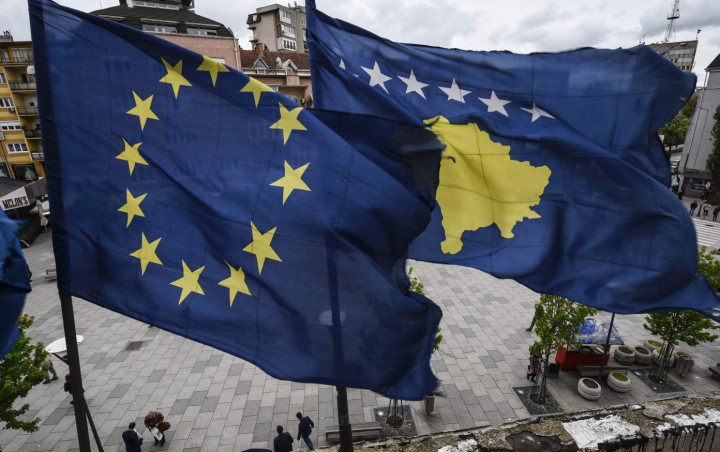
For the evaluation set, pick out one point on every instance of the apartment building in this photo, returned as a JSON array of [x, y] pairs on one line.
[[279, 28]]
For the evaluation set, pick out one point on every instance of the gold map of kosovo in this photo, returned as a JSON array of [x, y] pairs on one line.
[[481, 185]]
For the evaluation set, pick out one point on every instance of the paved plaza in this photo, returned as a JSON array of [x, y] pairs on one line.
[[215, 401]]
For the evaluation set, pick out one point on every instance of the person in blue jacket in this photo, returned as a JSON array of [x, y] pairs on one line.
[[304, 429], [133, 440]]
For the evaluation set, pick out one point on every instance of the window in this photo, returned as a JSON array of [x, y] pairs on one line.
[[156, 5], [285, 16], [286, 44], [26, 172], [5, 102], [288, 30], [4, 170], [2, 78], [14, 148], [159, 28], [303, 21], [4, 55], [20, 54], [9, 125], [201, 32], [218, 59]]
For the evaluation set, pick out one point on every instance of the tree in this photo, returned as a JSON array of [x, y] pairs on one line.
[[688, 326], [20, 371], [713, 161], [557, 323], [675, 130]]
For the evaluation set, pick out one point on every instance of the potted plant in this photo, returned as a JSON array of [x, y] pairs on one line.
[[589, 388], [624, 355], [619, 381], [642, 355], [652, 344]]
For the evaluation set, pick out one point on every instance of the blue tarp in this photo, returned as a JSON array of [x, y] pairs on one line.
[[595, 331]]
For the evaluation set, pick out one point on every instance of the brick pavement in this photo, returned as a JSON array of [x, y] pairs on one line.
[[218, 402]]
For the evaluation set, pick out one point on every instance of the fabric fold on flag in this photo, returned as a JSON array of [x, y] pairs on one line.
[[553, 173], [14, 284], [192, 197]]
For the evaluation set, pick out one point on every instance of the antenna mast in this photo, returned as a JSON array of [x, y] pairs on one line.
[[675, 14]]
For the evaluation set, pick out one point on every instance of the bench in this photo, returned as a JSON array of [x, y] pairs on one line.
[[586, 370], [360, 431], [715, 371]]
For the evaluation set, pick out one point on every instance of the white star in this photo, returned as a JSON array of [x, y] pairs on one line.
[[377, 77], [413, 85], [455, 93], [537, 112], [342, 64], [495, 104]]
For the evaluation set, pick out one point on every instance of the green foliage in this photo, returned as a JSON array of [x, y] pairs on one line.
[[417, 287], [675, 130], [620, 376], [20, 371], [689, 106], [557, 323]]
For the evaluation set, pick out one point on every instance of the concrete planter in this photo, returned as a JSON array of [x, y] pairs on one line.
[[642, 355], [618, 381], [652, 344], [624, 355], [589, 388]]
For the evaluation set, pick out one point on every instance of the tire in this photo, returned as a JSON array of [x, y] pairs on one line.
[[650, 347], [616, 384], [656, 356], [624, 358], [588, 392], [643, 358]]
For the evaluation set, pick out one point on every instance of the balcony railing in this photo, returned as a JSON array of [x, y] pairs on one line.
[[21, 60], [35, 133], [38, 156], [20, 86], [27, 110]]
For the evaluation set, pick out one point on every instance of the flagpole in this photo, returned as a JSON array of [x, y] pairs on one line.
[[346, 444], [75, 377]]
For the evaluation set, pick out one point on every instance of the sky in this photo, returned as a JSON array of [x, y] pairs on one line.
[[520, 26]]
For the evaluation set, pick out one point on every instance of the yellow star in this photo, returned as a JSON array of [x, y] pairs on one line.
[[146, 253], [288, 121], [142, 109], [174, 76], [132, 206], [257, 88], [236, 283], [189, 282], [131, 155], [292, 180], [260, 246], [213, 67]]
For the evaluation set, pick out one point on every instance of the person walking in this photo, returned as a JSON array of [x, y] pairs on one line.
[[133, 440], [304, 429], [283, 441], [155, 422], [706, 208], [716, 211], [50, 370], [67, 387], [534, 367], [693, 206]]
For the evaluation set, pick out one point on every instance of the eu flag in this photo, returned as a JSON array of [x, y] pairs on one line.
[[189, 196], [553, 174], [14, 283]]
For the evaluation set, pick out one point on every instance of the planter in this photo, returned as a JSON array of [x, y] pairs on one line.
[[652, 344], [618, 381], [589, 388], [624, 355], [657, 356], [642, 355]]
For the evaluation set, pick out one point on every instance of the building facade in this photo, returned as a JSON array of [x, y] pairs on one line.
[[285, 72], [681, 53], [699, 141], [21, 153], [279, 28], [175, 21]]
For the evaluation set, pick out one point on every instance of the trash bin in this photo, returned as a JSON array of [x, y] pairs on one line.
[[684, 365]]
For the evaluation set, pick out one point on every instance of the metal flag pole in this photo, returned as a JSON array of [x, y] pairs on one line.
[[607, 347], [81, 412], [346, 444]]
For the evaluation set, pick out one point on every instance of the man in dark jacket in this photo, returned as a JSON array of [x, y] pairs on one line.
[[133, 440], [304, 429], [283, 441]]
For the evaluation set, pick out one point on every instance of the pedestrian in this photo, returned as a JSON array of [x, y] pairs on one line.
[[700, 209], [155, 422], [68, 387], [283, 441], [706, 207], [133, 439], [534, 367], [50, 369], [532, 322], [304, 429], [680, 194], [716, 211], [693, 206]]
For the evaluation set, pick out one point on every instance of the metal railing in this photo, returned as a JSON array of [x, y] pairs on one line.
[[14, 60], [27, 110], [35, 133], [38, 155], [16, 86]]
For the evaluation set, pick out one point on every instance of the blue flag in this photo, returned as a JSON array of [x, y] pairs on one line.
[[553, 174], [189, 196], [14, 283]]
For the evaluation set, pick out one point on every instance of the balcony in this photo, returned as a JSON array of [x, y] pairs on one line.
[[23, 86], [20, 61], [34, 133], [27, 111], [37, 156]]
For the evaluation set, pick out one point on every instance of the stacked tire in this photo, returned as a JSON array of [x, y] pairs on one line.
[[618, 381], [589, 388], [642, 355], [624, 355]]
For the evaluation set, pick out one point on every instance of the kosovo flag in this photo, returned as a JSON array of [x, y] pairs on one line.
[[14, 284], [553, 174], [189, 196]]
